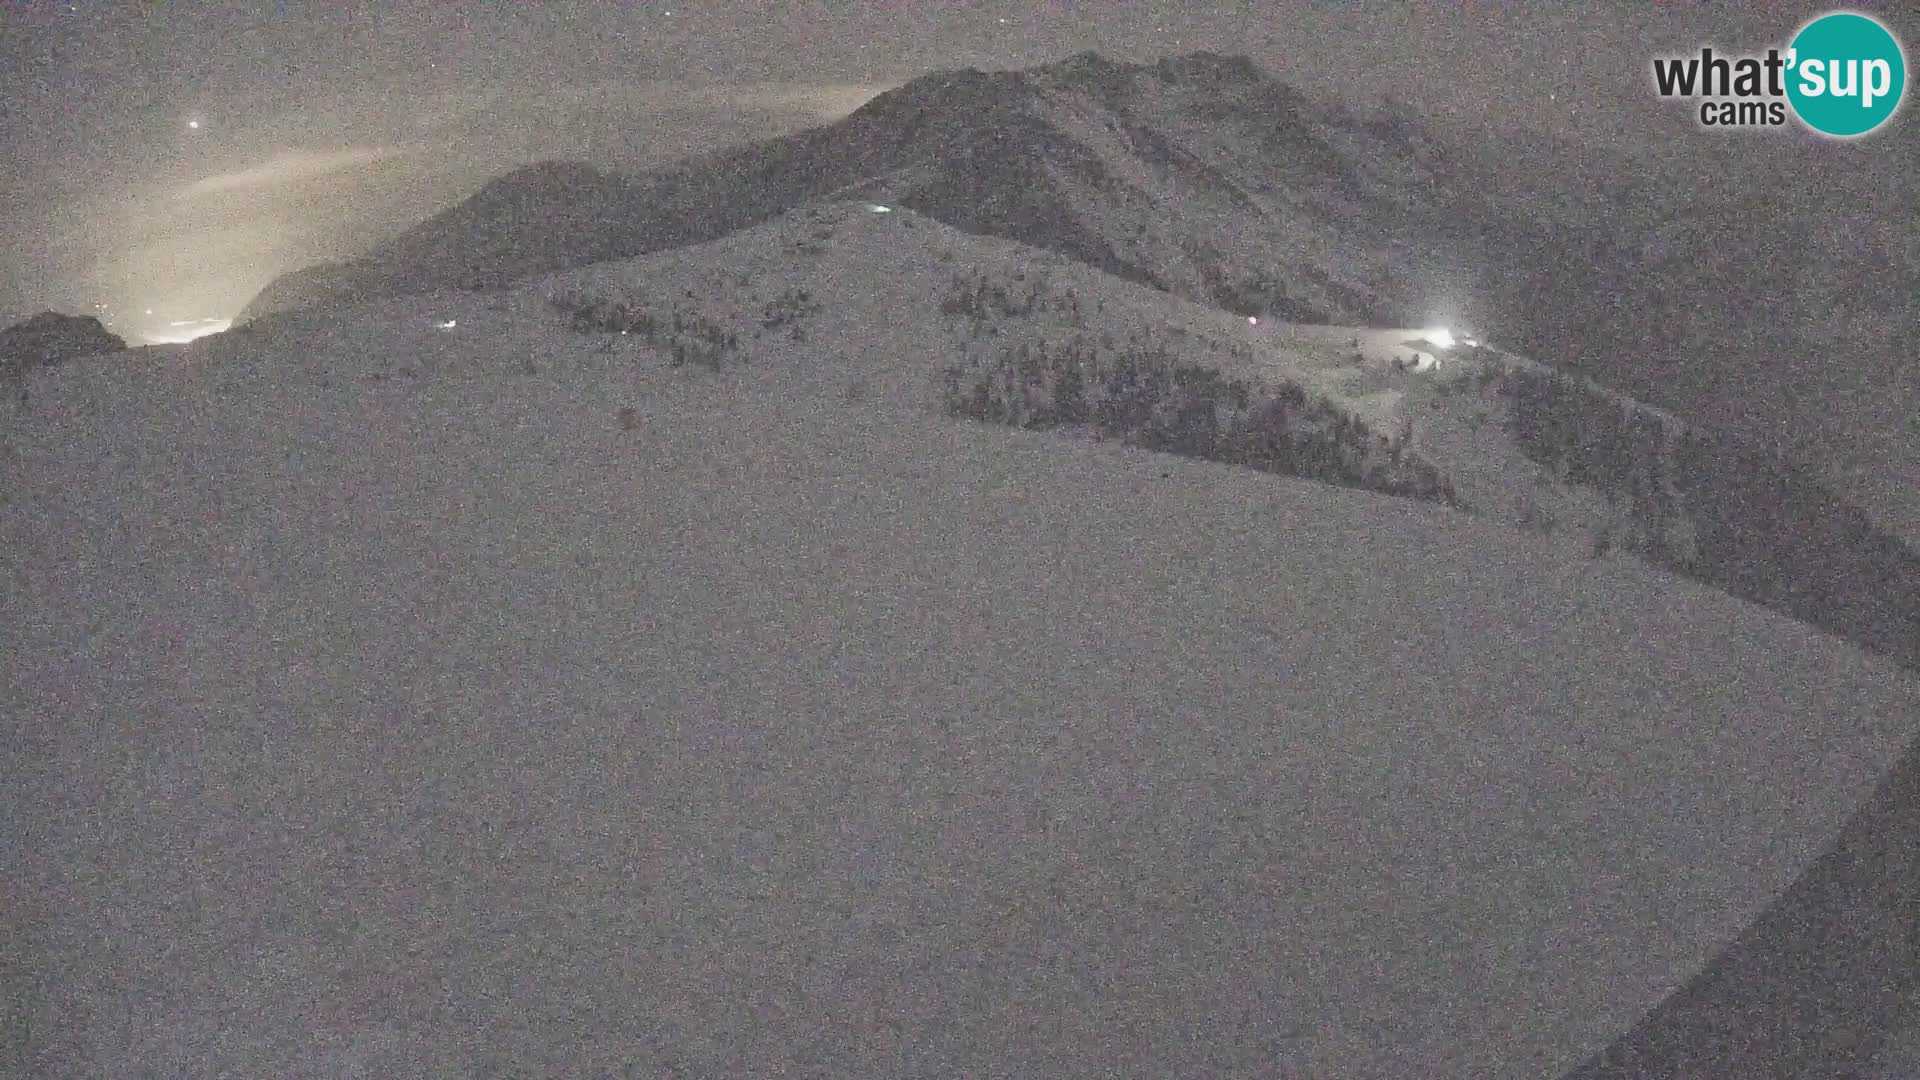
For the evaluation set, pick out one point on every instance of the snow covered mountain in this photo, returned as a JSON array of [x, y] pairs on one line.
[[631, 672], [1201, 176], [981, 327], [1198, 175]]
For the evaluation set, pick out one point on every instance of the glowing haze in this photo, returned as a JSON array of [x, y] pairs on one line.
[[198, 248], [181, 331]]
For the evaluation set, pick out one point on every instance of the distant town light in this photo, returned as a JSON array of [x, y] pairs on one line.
[[184, 330]]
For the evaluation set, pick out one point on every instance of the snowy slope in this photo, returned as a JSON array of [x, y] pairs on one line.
[[396, 700], [1202, 176], [880, 305]]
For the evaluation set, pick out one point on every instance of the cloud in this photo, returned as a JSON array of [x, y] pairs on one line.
[[289, 169]]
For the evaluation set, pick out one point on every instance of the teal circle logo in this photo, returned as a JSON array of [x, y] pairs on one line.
[[1846, 74]]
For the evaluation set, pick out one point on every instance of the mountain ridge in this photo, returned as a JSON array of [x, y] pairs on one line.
[[1507, 439], [1020, 154]]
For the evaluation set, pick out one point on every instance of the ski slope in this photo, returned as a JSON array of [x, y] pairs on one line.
[[384, 705]]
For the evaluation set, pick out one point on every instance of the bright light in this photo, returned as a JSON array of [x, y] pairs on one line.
[[878, 209], [1440, 336], [179, 333], [194, 124], [449, 324], [1253, 320]]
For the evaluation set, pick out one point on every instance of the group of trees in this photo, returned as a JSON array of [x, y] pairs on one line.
[[684, 336], [1723, 511], [981, 296], [1587, 438], [788, 310], [1146, 398], [1771, 534]]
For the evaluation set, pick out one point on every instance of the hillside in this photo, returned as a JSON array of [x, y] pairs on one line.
[[1796, 334], [540, 218], [1201, 176], [448, 686], [895, 308]]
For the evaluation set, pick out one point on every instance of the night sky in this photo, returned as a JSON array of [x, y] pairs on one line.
[[176, 157]]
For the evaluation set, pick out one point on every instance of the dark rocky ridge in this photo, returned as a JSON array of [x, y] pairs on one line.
[[1198, 175], [52, 338]]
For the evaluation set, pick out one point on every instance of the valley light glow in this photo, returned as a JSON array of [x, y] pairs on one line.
[[182, 331]]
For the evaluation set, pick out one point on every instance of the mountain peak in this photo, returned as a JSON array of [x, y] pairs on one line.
[[965, 91], [959, 85], [1090, 155], [1086, 60], [1092, 70], [1211, 67]]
